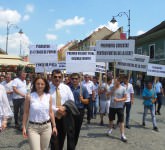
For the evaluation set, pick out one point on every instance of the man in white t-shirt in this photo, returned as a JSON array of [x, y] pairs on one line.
[[19, 92], [90, 88], [129, 101]]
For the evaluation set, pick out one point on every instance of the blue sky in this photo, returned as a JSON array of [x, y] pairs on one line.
[[60, 21]]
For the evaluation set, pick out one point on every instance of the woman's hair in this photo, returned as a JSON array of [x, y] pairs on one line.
[[47, 87]]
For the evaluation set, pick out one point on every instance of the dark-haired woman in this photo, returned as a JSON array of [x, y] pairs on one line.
[[38, 108]]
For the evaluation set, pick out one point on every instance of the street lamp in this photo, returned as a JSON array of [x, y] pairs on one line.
[[121, 14], [20, 32], [7, 33]]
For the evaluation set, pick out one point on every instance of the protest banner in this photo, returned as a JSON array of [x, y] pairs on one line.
[[80, 61], [101, 67], [138, 63], [156, 70], [43, 53], [114, 50]]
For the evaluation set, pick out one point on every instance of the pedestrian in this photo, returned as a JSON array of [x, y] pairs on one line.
[[19, 93], [118, 97], [38, 108], [5, 110], [149, 97], [61, 93], [96, 97], [129, 101], [81, 96], [159, 92], [90, 88], [28, 85]]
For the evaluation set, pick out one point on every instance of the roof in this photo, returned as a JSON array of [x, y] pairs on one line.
[[11, 60], [157, 28]]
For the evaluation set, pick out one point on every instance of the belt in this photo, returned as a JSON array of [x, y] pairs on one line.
[[39, 123]]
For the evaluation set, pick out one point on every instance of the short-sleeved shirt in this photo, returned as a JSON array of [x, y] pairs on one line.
[[119, 93], [148, 93], [103, 96], [65, 92], [20, 86], [96, 86], [89, 85], [76, 94], [129, 91], [158, 87]]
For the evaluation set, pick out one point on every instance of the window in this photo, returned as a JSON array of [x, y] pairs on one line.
[[139, 51], [152, 51]]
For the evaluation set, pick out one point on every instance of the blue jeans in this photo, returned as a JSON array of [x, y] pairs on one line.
[[95, 105], [152, 110], [127, 105]]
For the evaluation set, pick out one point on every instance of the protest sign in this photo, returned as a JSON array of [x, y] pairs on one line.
[[156, 70], [138, 63], [43, 53], [80, 61], [114, 50]]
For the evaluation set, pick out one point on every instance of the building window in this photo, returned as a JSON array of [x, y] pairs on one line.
[[152, 51], [139, 51]]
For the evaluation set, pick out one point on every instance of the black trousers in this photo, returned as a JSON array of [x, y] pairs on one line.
[[18, 110], [65, 126], [159, 101], [78, 124], [89, 108]]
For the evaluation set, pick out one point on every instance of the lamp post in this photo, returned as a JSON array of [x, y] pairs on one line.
[[128, 17], [7, 33], [20, 32]]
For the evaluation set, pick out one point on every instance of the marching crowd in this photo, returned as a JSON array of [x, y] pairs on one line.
[[46, 109]]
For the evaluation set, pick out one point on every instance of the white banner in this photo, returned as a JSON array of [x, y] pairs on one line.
[[138, 63], [80, 61], [49, 67], [43, 53], [100, 67], [156, 70], [114, 50]]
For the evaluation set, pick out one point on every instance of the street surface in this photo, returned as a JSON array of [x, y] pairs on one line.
[[93, 136]]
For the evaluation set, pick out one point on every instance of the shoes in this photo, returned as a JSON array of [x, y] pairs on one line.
[[101, 123], [143, 124], [156, 129], [88, 122], [158, 113], [109, 132], [123, 138], [128, 127]]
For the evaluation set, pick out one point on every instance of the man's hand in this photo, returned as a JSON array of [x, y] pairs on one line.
[[62, 110]]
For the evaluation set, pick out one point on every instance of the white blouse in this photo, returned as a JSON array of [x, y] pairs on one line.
[[39, 108]]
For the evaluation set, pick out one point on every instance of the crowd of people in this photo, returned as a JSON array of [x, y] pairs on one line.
[[46, 109]]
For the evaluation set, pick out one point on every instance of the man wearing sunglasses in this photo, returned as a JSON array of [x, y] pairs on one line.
[[81, 95], [60, 94]]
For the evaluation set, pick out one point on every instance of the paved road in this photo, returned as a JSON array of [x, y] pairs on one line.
[[93, 136]]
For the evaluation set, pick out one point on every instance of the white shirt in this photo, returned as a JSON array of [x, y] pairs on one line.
[[5, 110], [129, 91], [65, 92], [9, 88], [39, 108], [20, 86], [89, 85], [158, 87]]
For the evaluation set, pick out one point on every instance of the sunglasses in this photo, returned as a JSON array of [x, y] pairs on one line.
[[55, 77], [74, 78]]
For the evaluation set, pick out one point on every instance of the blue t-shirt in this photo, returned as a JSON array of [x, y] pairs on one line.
[[148, 93], [76, 94]]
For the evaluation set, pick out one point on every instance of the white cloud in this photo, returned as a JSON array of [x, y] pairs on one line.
[[112, 26], [51, 37], [69, 22], [26, 17], [140, 32], [29, 8], [7, 15], [14, 43], [60, 46]]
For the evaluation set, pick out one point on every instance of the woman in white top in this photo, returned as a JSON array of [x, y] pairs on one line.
[[5, 110], [38, 108]]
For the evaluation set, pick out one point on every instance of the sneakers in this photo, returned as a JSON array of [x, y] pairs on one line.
[[156, 129], [123, 138], [109, 132], [128, 127]]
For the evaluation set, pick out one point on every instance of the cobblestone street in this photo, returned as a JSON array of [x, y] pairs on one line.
[[93, 136]]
